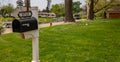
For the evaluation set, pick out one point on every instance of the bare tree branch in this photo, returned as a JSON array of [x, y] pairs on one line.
[[104, 7], [95, 2]]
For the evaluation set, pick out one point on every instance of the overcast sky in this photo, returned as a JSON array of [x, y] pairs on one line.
[[40, 3]]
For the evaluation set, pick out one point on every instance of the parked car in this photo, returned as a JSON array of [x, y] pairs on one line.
[[51, 15], [76, 16], [8, 24]]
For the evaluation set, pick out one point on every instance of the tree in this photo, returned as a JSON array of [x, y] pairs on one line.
[[58, 9], [104, 4], [68, 11], [7, 9], [92, 7], [1, 28], [76, 7], [48, 5], [2, 11]]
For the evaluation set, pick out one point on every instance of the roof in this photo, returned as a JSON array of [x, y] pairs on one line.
[[114, 9]]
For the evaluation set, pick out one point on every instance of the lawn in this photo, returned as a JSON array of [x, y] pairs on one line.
[[40, 20], [6, 19], [85, 41], [45, 20]]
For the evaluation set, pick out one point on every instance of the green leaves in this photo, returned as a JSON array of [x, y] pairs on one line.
[[58, 9], [76, 7], [7, 9]]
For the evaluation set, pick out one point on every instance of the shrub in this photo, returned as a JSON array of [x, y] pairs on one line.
[[1, 28], [6, 19], [45, 20], [83, 16], [9, 19]]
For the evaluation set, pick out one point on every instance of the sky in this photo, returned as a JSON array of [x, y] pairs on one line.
[[40, 3]]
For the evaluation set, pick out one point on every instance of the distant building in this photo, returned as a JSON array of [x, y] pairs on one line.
[[113, 12], [46, 14]]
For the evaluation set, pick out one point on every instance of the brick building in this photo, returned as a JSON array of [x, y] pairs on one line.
[[113, 12]]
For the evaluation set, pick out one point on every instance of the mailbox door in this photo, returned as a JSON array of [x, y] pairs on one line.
[[16, 25]]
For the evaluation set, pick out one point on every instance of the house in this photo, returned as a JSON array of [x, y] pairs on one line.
[[46, 14], [113, 12]]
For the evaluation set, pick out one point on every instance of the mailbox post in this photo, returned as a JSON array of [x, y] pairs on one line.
[[28, 26], [35, 43]]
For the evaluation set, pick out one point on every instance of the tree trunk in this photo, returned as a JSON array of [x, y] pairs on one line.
[[90, 9], [105, 15], [68, 11], [48, 6]]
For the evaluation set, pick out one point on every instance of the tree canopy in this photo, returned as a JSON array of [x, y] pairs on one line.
[[99, 5], [76, 7], [7, 9], [59, 9]]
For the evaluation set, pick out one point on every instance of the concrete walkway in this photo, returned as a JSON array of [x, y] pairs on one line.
[[52, 24], [9, 30]]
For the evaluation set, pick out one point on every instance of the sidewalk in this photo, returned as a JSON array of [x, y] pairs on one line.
[[9, 30], [52, 24]]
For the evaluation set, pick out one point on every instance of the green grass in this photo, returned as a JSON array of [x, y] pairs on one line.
[[45, 20], [96, 42], [6, 19], [40, 20]]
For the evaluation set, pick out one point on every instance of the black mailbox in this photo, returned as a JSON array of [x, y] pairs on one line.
[[24, 24]]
